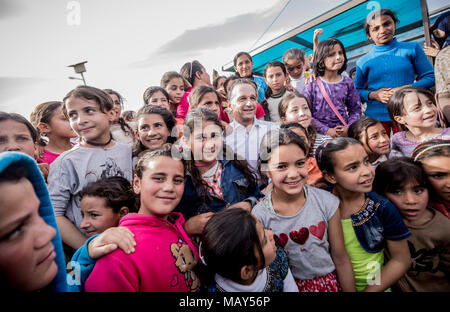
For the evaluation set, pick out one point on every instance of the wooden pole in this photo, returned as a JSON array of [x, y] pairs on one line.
[[426, 25]]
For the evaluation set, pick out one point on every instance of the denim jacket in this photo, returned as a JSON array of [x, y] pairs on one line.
[[378, 221], [235, 188]]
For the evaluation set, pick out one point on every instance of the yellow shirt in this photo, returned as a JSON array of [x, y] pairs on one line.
[[366, 266]]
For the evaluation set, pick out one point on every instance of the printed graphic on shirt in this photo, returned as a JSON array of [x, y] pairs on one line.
[[185, 262], [302, 235], [111, 169], [423, 260]]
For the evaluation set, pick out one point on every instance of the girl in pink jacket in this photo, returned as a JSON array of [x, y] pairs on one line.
[[164, 255]]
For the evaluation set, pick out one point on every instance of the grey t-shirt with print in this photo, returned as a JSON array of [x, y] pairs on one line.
[[304, 235], [75, 168]]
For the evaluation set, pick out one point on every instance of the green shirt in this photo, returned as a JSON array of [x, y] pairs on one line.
[[365, 265]]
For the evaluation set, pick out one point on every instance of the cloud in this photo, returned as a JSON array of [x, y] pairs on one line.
[[243, 27], [12, 87], [10, 8]]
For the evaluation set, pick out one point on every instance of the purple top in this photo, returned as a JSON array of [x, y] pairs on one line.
[[400, 144], [344, 96]]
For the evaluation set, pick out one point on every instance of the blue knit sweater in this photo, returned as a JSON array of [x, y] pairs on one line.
[[389, 66]]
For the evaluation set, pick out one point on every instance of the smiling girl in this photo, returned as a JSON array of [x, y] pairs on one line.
[[175, 85], [370, 222], [154, 128], [415, 109], [335, 103], [373, 136], [156, 96], [90, 113], [216, 178], [164, 256], [305, 220]]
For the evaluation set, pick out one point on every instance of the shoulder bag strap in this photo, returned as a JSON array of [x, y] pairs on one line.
[[327, 98]]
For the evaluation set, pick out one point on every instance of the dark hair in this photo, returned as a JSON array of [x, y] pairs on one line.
[[378, 13], [19, 118], [190, 69], [216, 81], [229, 80], [44, 113], [274, 139], [294, 53], [167, 150], [166, 115], [195, 97], [225, 249], [168, 76], [112, 92], [360, 126], [396, 103], [190, 122], [123, 125], [129, 115], [239, 55], [291, 125], [268, 93], [115, 191], [283, 107], [148, 93], [324, 153], [394, 173], [431, 148], [322, 51], [102, 99]]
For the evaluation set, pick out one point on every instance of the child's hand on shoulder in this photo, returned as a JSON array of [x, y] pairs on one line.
[[44, 170], [243, 205], [195, 225], [109, 240]]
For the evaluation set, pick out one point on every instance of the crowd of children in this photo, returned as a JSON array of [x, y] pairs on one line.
[[280, 183]]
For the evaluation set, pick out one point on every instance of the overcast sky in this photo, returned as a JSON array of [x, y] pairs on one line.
[[128, 44]]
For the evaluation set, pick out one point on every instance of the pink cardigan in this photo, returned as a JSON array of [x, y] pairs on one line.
[[162, 262]]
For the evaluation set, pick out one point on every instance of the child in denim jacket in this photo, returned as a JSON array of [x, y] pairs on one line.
[[370, 222], [215, 178]]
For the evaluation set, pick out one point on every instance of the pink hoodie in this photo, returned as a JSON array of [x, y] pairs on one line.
[[162, 262]]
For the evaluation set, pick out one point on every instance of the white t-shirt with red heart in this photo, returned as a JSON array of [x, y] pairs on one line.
[[304, 235]]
